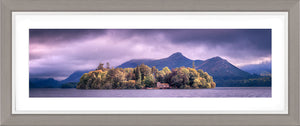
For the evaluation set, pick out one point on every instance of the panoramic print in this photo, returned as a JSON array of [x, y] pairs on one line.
[[203, 63]]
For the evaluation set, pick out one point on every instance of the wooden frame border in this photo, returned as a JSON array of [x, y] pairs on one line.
[[8, 6]]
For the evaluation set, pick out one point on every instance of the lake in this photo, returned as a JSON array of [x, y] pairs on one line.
[[215, 92]]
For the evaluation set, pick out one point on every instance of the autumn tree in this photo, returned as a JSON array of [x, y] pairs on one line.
[[193, 74], [129, 73], [180, 77], [144, 77], [100, 66]]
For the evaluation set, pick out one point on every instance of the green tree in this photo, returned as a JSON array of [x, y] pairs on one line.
[[138, 78], [166, 74], [149, 81], [145, 71], [194, 65], [69, 85]]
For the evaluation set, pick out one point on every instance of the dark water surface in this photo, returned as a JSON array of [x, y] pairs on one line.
[[216, 92]]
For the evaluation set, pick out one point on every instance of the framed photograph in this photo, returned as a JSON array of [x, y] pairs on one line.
[[190, 64], [182, 59]]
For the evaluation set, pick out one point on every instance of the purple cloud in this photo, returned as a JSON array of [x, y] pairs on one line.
[[59, 52]]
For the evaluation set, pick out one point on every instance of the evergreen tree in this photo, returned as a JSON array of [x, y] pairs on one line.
[[107, 65], [193, 64], [138, 76]]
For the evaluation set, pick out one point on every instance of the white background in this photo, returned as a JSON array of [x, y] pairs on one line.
[[23, 21]]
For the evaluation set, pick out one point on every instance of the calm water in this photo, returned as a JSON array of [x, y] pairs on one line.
[[216, 92]]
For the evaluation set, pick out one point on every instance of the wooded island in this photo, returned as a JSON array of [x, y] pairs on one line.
[[144, 77]]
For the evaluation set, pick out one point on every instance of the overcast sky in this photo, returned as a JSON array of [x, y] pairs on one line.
[[56, 53]]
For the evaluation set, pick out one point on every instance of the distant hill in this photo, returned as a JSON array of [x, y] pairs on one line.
[[173, 61], [217, 67], [75, 76], [221, 69], [263, 69], [52, 83], [43, 83]]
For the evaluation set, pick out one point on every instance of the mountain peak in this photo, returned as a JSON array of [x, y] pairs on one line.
[[217, 58], [177, 54]]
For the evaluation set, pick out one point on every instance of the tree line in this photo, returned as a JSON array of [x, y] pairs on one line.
[[259, 81], [143, 76]]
